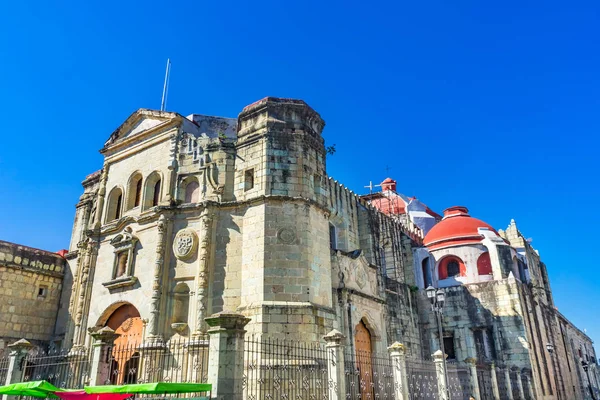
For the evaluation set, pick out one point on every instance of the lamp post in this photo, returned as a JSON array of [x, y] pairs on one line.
[[586, 367], [437, 299], [550, 348]]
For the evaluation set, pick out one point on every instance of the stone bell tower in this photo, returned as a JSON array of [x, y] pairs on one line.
[[286, 268]]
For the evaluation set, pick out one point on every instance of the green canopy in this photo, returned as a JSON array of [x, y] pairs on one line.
[[151, 388], [41, 389]]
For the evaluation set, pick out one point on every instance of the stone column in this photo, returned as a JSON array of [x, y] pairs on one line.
[[335, 364], [153, 334], [472, 364], [88, 249], [203, 272], [16, 362], [101, 347], [398, 354], [226, 355], [440, 371], [509, 391], [172, 175], [529, 385], [18, 351], [495, 388], [520, 383]]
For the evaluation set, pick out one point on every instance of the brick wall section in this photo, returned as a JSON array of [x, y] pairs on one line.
[[23, 312]]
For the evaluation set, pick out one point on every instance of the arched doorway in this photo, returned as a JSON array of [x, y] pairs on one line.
[[363, 348], [125, 321]]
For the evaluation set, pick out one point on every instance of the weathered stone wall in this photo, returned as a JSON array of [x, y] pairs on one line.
[[495, 305], [30, 290]]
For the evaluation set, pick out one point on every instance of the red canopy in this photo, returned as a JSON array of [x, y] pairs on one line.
[[82, 395]]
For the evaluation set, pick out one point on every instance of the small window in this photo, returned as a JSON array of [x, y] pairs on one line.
[[449, 347], [138, 193], [453, 268], [156, 194], [118, 206], [332, 237], [249, 179], [426, 272], [317, 185], [484, 344], [42, 292]]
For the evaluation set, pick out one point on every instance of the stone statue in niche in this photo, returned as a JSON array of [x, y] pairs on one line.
[[121, 264]]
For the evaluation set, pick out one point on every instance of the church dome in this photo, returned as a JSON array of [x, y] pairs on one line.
[[456, 228]]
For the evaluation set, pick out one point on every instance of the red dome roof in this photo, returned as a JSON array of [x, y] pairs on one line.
[[456, 228]]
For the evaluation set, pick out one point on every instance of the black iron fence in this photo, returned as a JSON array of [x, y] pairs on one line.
[[4, 361], [69, 370], [369, 375], [278, 369], [459, 382], [182, 360], [422, 380]]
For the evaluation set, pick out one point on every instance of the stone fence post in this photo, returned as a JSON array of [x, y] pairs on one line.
[[18, 352], [472, 363], [226, 355], [495, 388], [335, 364], [100, 369], [440, 371], [398, 354]]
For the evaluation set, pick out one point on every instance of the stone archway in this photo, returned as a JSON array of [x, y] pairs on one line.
[[126, 321]]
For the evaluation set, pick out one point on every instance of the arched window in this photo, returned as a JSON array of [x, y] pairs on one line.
[[134, 191], [484, 264], [426, 272], [115, 202], [156, 194], [451, 267], [152, 191], [191, 192]]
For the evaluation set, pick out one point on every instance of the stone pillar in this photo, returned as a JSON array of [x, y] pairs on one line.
[[335, 364], [226, 355], [88, 250], [440, 371], [495, 388], [100, 368], [472, 364], [153, 334], [203, 272], [398, 354], [18, 352], [171, 177], [529, 385], [520, 383], [509, 391]]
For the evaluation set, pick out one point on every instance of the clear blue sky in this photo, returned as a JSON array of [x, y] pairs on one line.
[[492, 105]]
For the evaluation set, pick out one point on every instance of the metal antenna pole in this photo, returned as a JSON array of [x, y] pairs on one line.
[[163, 103]]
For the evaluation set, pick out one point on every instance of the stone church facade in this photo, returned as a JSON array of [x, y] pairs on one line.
[[192, 216]]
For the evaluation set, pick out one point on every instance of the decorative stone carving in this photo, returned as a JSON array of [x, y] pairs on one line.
[[286, 235], [361, 276], [185, 244]]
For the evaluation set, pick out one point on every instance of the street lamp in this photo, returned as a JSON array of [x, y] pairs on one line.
[[437, 299], [550, 348], [586, 367]]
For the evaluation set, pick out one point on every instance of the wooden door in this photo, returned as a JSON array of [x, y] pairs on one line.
[[362, 342], [127, 323]]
